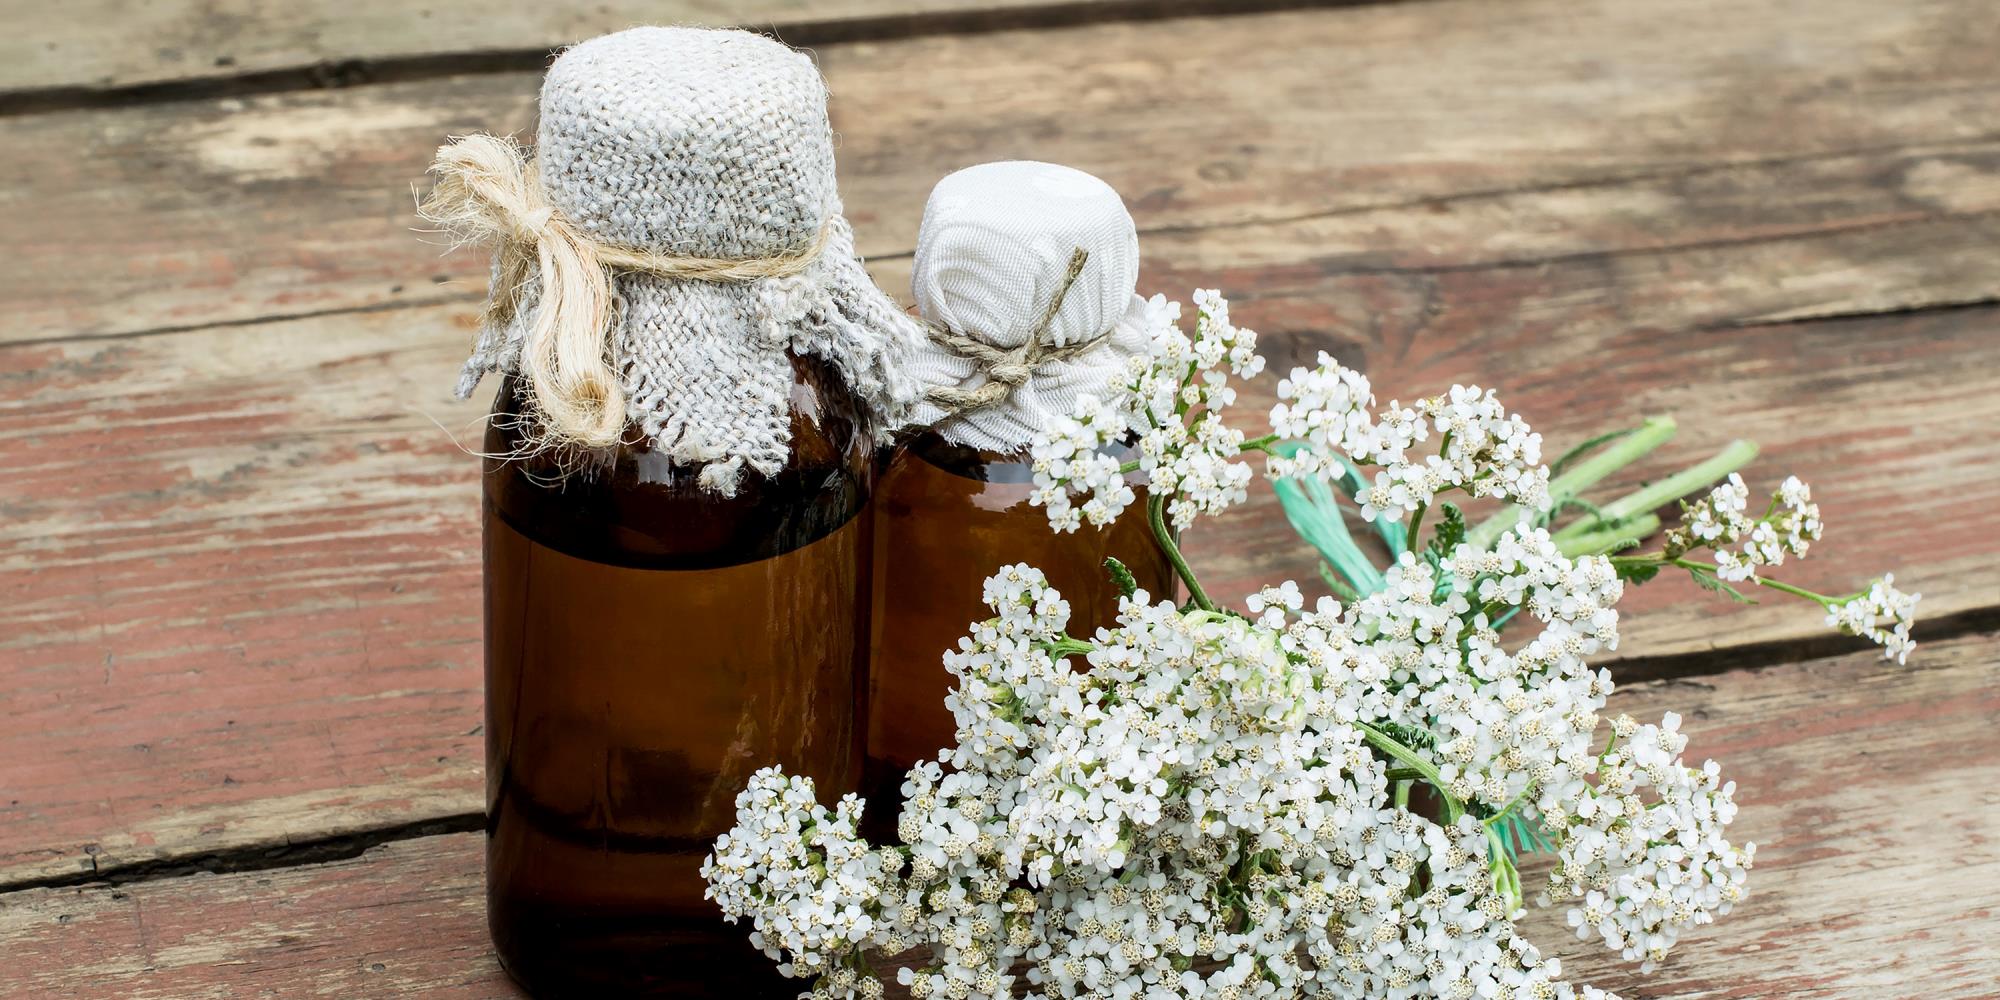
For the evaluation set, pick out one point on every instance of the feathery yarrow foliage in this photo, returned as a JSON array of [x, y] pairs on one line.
[[1284, 801]]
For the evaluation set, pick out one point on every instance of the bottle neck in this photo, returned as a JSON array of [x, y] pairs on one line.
[[978, 464], [632, 506], [986, 465]]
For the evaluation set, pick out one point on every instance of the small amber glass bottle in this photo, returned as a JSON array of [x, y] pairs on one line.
[[649, 644], [947, 517], [1026, 274]]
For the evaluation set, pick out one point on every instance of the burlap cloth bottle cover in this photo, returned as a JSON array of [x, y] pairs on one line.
[[1017, 333], [676, 231]]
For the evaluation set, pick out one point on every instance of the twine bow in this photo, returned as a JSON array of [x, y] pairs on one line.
[[488, 192], [1007, 369]]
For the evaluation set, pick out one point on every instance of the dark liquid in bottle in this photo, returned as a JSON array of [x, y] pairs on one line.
[[947, 517], [648, 646]]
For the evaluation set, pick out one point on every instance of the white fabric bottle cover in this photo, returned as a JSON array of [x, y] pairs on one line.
[[701, 143], [992, 253]]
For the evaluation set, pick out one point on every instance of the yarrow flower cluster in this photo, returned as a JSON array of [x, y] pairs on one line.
[[1483, 450], [1207, 811], [1171, 405], [1648, 820], [1289, 801], [1741, 545], [807, 868], [1883, 615]]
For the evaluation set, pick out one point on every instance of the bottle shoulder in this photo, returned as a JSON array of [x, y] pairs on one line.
[[928, 475], [985, 465]]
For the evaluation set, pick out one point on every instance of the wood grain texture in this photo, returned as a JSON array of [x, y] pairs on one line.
[[1851, 142], [260, 622], [1883, 414], [1869, 788], [239, 561], [87, 45], [240, 565]]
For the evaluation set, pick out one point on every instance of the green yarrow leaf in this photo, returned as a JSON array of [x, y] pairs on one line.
[[1579, 503], [1586, 448], [1121, 577], [1409, 736], [1521, 835], [1636, 573], [1340, 587], [1593, 516], [1710, 582], [1450, 532]]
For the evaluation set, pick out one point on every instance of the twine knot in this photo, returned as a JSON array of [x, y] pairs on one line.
[[528, 228], [1007, 369], [1010, 372], [489, 193]]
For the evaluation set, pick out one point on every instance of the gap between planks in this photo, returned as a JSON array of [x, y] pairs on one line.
[[1200, 230], [1850, 770], [1697, 669], [361, 68], [291, 852], [274, 524], [1810, 184], [214, 483]]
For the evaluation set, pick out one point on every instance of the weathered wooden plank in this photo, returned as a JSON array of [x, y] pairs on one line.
[[305, 930], [96, 45], [1877, 829], [1870, 790], [240, 565], [268, 625], [1863, 408], [256, 514], [1802, 126]]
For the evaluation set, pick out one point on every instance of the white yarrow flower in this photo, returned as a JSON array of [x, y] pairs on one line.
[[1201, 803]]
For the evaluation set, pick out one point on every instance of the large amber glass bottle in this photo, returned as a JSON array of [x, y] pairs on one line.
[[649, 645], [947, 517]]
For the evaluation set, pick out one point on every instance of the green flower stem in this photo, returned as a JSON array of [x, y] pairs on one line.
[[1506, 878], [1500, 817], [1417, 518], [1736, 455], [1313, 509], [1341, 588], [1599, 542], [1262, 444], [1409, 758], [1156, 507], [1634, 445], [1823, 600], [1067, 646], [1659, 559]]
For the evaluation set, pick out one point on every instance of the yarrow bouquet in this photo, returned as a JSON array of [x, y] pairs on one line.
[[1282, 801]]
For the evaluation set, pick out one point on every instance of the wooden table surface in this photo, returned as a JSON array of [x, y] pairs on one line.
[[239, 566]]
